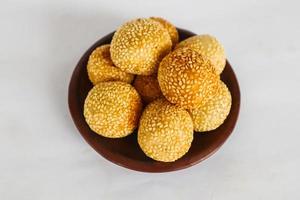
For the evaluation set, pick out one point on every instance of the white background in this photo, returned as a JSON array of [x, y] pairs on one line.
[[42, 155]]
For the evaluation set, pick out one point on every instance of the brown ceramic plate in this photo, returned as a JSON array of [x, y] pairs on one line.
[[126, 151]]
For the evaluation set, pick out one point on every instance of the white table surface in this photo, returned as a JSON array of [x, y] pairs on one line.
[[43, 156]]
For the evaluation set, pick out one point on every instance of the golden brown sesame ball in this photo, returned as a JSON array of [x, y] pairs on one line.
[[139, 45], [214, 112], [112, 109], [165, 132], [209, 47], [186, 78], [170, 28], [100, 67], [147, 87]]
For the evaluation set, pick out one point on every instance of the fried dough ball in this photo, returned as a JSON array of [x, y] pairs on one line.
[[100, 68], [209, 47], [147, 87], [186, 78], [139, 45], [112, 109], [213, 113], [170, 28], [165, 132]]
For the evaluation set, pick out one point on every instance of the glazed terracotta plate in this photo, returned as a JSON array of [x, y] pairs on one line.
[[126, 151]]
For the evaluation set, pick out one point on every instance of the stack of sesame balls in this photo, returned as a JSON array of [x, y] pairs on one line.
[[148, 81]]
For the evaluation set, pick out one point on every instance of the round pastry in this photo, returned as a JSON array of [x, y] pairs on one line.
[[165, 131], [139, 45], [170, 28], [186, 78], [112, 109], [213, 113], [209, 47], [147, 87], [100, 68]]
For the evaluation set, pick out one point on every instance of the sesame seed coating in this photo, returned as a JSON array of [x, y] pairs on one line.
[[213, 113], [100, 67], [170, 28], [165, 132], [209, 47], [147, 87], [186, 78], [139, 45], [112, 109]]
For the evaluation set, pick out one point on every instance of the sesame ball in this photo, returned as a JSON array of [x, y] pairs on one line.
[[209, 47], [186, 78], [170, 28], [213, 113], [147, 87], [100, 68], [139, 45], [165, 132], [112, 109]]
